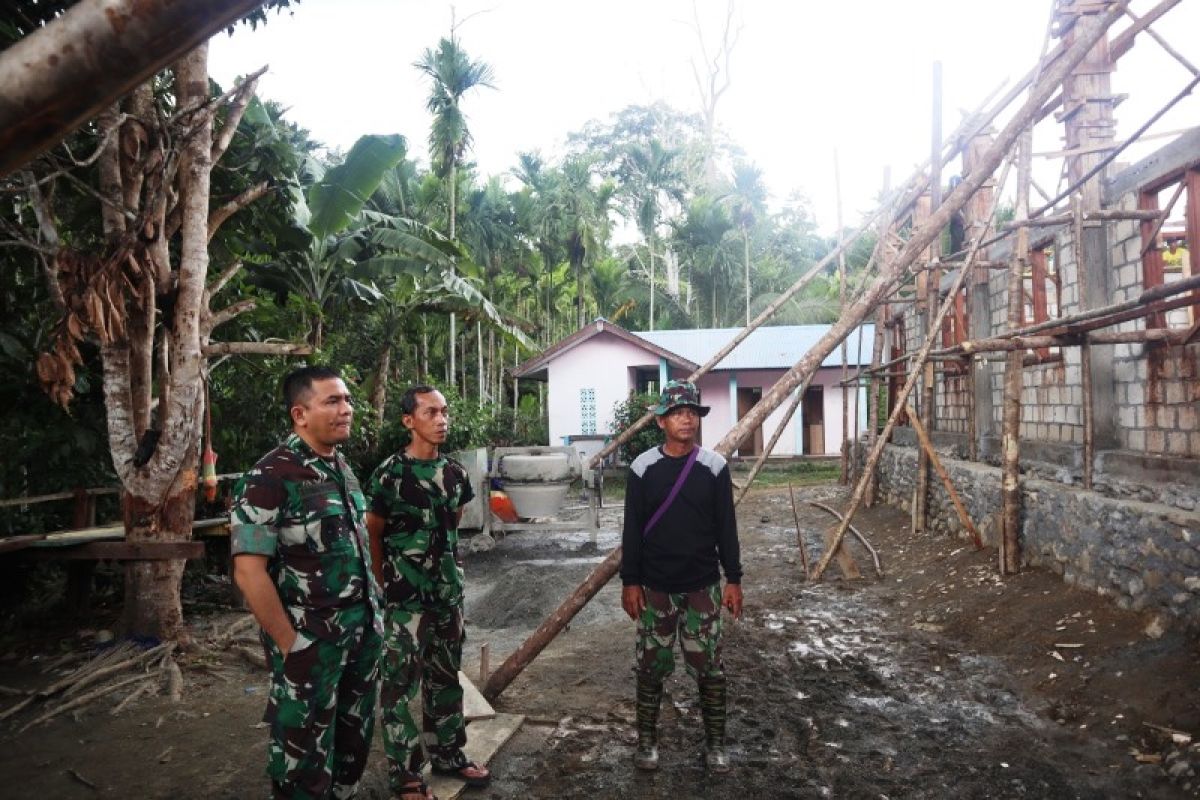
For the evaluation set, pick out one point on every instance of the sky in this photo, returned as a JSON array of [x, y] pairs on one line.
[[810, 83]]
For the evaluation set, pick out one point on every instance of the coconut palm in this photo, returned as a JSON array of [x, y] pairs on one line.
[[748, 200]]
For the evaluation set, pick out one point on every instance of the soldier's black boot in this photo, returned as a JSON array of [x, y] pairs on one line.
[[712, 709], [649, 696]]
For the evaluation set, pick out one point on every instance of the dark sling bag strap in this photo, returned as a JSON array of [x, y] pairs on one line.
[[673, 493]]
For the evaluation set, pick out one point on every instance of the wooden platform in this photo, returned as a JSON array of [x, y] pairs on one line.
[[484, 740]]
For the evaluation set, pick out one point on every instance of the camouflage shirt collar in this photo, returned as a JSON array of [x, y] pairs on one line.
[[297, 445]]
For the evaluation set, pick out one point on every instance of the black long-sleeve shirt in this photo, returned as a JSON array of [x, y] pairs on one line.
[[682, 551]]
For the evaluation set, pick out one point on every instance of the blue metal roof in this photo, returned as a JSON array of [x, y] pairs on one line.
[[777, 347]]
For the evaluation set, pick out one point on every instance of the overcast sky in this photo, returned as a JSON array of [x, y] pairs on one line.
[[807, 78]]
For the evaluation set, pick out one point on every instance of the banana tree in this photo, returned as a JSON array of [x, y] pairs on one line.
[[331, 213]]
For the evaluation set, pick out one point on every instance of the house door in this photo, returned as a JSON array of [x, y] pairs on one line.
[[752, 445], [813, 411]]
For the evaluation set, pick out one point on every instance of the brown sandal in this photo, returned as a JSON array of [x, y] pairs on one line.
[[414, 788]]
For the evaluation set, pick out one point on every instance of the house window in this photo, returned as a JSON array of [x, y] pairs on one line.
[[1042, 293], [1169, 251], [587, 411]]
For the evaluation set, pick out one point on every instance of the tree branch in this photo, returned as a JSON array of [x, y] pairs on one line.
[[228, 313], [224, 278], [257, 348], [217, 217], [241, 99]]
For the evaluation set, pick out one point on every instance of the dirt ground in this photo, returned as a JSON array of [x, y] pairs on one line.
[[937, 680]]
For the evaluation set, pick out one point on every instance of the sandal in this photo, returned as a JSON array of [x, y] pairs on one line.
[[466, 771], [414, 788]]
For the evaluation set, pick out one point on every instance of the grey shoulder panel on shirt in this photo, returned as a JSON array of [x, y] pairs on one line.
[[645, 461], [713, 460]]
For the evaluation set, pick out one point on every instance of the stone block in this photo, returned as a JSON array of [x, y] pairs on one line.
[[1177, 443], [1156, 441], [1126, 417], [1135, 439], [1135, 393]]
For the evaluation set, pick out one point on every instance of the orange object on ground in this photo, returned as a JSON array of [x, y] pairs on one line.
[[502, 507]]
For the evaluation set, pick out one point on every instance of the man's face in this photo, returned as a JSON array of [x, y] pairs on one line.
[[680, 424], [323, 417], [430, 420]]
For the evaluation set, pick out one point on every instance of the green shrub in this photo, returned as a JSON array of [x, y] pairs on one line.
[[627, 412]]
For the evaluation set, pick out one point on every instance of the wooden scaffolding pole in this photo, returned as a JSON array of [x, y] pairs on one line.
[[959, 508], [837, 188], [901, 399], [932, 283], [1010, 487]]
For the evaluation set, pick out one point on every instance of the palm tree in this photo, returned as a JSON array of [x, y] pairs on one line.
[[652, 178], [582, 214], [700, 236], [748, 199], [451, 75]]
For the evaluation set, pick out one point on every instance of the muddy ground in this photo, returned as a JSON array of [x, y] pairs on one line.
[[938, 680]]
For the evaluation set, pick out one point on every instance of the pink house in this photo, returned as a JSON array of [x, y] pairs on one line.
[[596, 367]]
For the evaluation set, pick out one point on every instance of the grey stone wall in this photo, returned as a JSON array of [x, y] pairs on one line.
[[1144, 555]]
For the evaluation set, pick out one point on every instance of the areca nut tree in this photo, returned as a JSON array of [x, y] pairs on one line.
[[451, 75]]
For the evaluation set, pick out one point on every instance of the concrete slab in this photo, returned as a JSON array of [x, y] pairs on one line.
[[484, 740]]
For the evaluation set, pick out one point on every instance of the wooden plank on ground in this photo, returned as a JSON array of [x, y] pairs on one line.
[[475, 705], [484, 740]]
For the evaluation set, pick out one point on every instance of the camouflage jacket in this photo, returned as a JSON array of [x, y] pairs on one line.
[[307, 514], [419, 500]]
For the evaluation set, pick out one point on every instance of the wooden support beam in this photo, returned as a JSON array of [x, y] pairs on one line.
[[927, 445], [120, 551]]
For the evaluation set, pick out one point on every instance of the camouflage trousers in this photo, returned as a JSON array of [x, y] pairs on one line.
[[422, 648], [692, 617], [321, 712]]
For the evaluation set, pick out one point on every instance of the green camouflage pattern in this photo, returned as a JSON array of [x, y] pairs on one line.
[[307, 514], [419, 501], [321, 713], [679, 393], [422, 648], [692, 617]]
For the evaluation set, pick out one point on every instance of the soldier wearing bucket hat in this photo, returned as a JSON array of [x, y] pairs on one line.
[[676, 394], [680, 533]]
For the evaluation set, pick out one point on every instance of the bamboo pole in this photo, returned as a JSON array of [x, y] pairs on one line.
[[1085, 352], [799, 535], [857, 535], [927, 445]]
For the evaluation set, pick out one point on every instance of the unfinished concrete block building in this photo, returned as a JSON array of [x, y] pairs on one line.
[[1062, 386]]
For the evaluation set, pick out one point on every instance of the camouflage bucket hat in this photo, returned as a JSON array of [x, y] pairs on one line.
[[679, 393]]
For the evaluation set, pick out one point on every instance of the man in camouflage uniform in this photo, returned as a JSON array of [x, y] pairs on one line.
[[302, 561], [678, 536], [416, 500]]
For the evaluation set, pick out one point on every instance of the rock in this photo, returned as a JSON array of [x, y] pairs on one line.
[[482, 542], [1192, 583], [104, 636], [1179, 769], [764, 518], [1156, 627]]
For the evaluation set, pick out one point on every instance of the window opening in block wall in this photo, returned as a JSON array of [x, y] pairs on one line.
[[955, 331], [1169, 245], [1041, 292]]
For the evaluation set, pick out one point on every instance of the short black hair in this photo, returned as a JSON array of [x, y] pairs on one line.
[[297, 384], [408, 403]]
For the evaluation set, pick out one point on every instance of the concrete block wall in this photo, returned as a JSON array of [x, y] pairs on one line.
[[1157, 389]]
